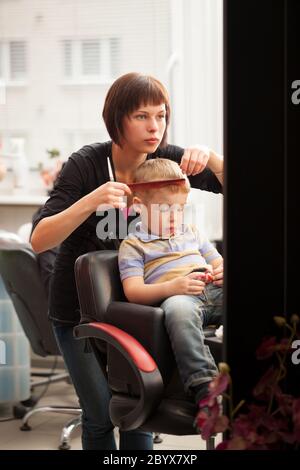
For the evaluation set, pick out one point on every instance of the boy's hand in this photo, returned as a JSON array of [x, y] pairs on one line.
[[209, 268], [205, 276], [218, 276], [187, 285]]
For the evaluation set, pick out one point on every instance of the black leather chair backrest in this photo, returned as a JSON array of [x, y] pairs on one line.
[[20, 273], [101, 297], [94, 297], [99, 288]]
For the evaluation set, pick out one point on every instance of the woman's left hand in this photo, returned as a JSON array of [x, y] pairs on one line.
[[218, 276], [194, 160]]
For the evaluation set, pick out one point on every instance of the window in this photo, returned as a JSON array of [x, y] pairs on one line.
[[13, 143], [74, 139], [17, 60], [13, 61], [91, 59], [1, 61], [68, 59]]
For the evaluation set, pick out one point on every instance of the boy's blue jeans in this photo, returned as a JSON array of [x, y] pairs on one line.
[[94, 396], [185, 318]]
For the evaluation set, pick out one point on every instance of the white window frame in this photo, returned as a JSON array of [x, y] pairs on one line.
[[74, 139], [77, 77], [5, 140], [5, 65]]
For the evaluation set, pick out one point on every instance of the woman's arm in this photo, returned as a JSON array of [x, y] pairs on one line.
[[215, 164], [204, 167], [53, 230]]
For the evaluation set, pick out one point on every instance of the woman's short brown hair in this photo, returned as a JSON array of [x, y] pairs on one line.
[[126, 95]]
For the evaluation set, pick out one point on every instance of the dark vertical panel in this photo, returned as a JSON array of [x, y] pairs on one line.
[[254, 172], [292, 199], [293, 155]]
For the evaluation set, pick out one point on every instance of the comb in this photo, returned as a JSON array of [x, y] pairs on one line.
[[155, 184]]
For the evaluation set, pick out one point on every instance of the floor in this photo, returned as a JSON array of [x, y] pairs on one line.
[[46, 427]]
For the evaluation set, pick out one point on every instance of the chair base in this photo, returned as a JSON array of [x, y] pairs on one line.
[[67, 432], [210, 443], [157, 439], [48, 378], [67, 429]]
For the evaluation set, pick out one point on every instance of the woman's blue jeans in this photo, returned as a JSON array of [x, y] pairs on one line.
[[94, 396]]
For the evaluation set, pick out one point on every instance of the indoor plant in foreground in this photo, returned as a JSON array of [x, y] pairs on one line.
[[272, 420]]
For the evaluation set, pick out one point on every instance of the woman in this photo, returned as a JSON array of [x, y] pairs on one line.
[[136, 113]]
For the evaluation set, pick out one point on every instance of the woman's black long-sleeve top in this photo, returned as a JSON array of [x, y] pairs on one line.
[[84, 171]]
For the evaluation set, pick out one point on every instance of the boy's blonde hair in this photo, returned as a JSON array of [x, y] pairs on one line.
[[160, 169]]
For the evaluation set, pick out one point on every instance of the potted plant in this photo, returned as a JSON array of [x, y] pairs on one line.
[[49, 173], [53, 153], [272, 420]]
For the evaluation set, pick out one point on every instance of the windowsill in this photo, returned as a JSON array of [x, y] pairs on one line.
[[87, 82], [15, 84], [22, 199]]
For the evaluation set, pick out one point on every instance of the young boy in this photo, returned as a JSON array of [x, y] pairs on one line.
[[156, 265]]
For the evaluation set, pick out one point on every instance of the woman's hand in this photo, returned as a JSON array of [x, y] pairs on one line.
[[109, 195], [218, 276], [186, 285], [194, 160], [53, 230]]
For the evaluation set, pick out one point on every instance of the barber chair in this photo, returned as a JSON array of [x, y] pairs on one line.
[[20, 273], [132, 346]]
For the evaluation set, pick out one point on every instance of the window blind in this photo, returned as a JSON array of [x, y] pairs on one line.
[[17, 56]]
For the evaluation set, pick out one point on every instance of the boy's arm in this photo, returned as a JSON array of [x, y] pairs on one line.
[[131, 266], [216, 263], [138, 292], [212, 257]]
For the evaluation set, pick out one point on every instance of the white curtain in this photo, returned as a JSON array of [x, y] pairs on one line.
[[196, 82]]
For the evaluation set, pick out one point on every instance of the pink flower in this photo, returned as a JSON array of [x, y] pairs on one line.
[[237, 443], [216, 387], [267, 384], [296, 418], [271, 345], [210, 422], [223, 445], [272, 420], [284, 402]]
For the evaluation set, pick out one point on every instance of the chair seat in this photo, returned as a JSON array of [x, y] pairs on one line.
[[171, 417], [133, 403]]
